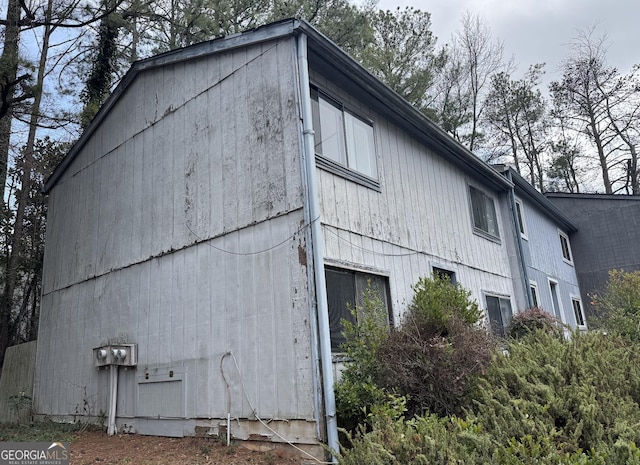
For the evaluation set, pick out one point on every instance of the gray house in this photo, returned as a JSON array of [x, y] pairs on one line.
[[208, 228], [608, 237], [541, 251]]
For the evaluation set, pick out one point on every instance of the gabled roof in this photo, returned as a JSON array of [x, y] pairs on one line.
[[326, 55], [524, 189]]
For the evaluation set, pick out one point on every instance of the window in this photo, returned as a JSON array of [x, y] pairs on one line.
[[483, 212], [447, 275], [345, 290], [555, 301], [578, 313], [499, 311], [343, 140], [520, 216], [566, 249], [534, 294]]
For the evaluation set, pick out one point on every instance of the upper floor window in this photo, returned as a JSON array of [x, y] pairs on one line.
[[520, 214], [342, 137], [483, 211], [566, 248]]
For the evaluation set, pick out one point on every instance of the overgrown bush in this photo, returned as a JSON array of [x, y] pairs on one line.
[[532, 320], [618, 306], [548, 401], [582, 394], [356, 391], [437, 352], [421, 440], [432, 359], [433, 440]]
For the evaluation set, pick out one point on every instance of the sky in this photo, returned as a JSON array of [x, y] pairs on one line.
[[539, 31]]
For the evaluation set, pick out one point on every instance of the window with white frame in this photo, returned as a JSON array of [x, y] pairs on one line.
[[578, 313], [342, 139], [534, 293], [566, 248], [520, 215], [499, 312], [345, 292], [483, 212], [555, 300]]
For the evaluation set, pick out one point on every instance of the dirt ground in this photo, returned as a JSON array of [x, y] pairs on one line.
[[97, 448]]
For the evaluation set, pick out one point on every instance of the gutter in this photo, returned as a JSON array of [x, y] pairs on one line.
[[317, 244]]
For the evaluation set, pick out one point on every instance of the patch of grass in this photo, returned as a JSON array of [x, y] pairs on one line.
[[232, 448], [42, 431]]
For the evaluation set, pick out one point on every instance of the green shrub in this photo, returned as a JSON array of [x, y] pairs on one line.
[[432, 440], [356, 391], [531, 320], [437, 300], [582, 394], [618, 307], [546, 401], [421, 440]]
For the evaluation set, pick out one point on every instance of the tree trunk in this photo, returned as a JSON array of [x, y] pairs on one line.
[[8, 76], [11, 272]]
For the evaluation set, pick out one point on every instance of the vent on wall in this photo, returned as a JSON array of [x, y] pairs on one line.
[[116, 354]]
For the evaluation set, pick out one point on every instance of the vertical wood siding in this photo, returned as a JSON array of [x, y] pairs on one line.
[[420, 217], [543, 256], [195, 157]]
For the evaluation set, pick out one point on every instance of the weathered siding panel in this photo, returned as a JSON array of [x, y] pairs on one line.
[[420, 217], [180, 231], [172, 169], [173, 311], [543, 256]]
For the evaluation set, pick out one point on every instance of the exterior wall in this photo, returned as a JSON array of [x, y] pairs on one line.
[[420, 218], [607, 238], [543, 257], [179, 227]]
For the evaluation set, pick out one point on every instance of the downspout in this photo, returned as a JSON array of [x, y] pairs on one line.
[[317, 247], [516, 222]]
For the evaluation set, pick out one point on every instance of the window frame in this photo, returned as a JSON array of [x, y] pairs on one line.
[[563, 236], [447, 270], [345, 170], [554, 288], [357, 274], [581, 326], [477, 229], [502, 330], [535, 294], [522, 224]]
